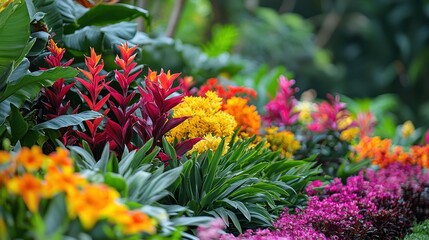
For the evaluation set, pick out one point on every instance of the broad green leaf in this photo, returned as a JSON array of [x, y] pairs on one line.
[[31, 83], [14, 34], [103, 14], [68, 120], [56, 215], [52, 17], [18, 125], [82, 39]]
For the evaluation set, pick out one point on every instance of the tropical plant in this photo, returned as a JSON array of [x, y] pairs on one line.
[[141, 177], [248, 186]]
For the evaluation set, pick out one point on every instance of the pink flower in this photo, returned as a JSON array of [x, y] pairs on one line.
[[281, 110]]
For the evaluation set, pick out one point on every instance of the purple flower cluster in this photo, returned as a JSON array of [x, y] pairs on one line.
[[369, 206], [212, 231]]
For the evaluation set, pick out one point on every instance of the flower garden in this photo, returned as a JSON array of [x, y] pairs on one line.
[[96, 145]]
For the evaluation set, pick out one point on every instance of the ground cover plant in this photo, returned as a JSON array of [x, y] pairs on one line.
[[95, 145]]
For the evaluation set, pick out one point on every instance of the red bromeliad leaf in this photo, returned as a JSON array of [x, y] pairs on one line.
[[186, 145], [170, 124], [101, 103]]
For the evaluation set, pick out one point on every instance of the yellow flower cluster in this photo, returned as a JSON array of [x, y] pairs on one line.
[[305, 108], [282, 140], [206, 120], [89, 202], [246, 116], [348, 131]]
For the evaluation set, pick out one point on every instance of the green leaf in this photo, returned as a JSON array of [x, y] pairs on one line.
[[85, 161], [212, 167], [52, 17], [103, 14], [117, 182], [18, 125], [112, 165], [14, 34], [55, 216], [84, 38], [68, 120], [31, 83], [103, 162]]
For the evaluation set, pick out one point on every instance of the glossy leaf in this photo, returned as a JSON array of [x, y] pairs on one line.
[[103, 14], [68, 120], [14, 35]]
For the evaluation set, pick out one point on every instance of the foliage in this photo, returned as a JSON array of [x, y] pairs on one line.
[[420, 231], [247, 185], [44, 198]]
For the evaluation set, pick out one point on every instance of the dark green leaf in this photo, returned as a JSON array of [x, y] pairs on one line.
[[31, 83], [68, 120], [18, 125], [103, 14], [14, 35]]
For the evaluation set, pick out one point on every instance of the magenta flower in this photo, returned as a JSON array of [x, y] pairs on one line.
[[281, 110]]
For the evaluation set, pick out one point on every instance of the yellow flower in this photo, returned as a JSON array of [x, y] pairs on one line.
[[246, 116], [29, 187], [284, 141], [93, 203], [33, 159], [407, 129], [208, 142], [205, 117], [349, 134], [305, 108]]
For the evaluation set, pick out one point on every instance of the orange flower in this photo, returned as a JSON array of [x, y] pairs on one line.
[[61, 159], [139, 222], [57, 181], [33, 159], [29, 187], [93, 203], [4, 157], [246, 116]]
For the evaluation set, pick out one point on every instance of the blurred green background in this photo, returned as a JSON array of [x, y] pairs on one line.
[[361, 49]]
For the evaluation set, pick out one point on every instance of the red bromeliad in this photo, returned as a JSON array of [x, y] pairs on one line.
[[53, 97], [157, 99], [94, 84], [120, 131]]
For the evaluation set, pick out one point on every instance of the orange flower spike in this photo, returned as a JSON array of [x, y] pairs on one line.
[[29, 187], [127, 52], [55, 50], [32, 159]]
